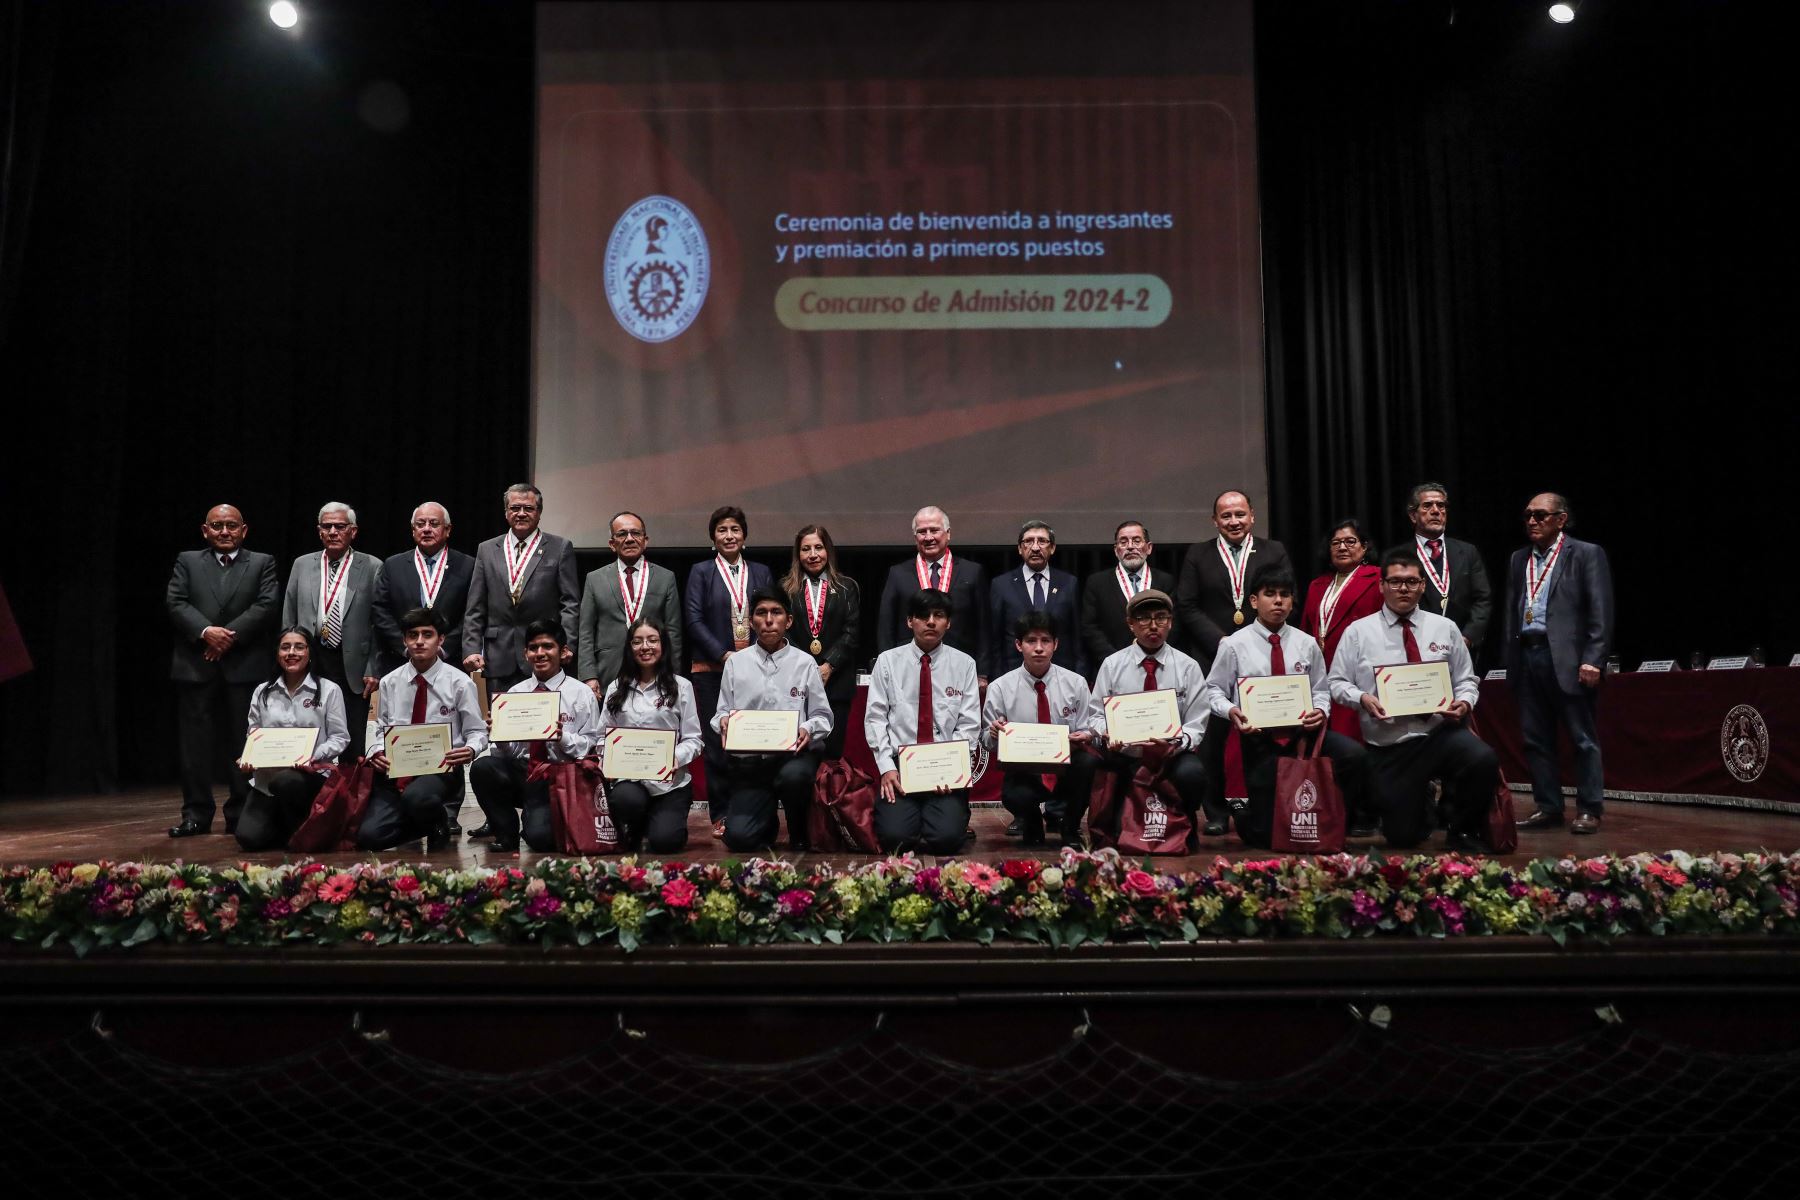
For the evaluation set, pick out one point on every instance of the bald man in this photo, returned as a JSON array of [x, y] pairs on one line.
[[223, 602]]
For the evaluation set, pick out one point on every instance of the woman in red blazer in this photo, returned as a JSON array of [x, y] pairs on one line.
[[1348, 592]]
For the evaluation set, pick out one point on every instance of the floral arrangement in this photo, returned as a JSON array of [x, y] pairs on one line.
[[1079, 898]]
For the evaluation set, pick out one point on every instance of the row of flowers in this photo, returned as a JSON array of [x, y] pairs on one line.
[[1081, 898]]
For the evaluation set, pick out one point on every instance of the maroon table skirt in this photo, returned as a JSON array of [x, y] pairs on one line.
[[1731, 735]]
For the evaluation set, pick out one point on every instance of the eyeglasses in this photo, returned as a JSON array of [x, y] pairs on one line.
[[1132, 541], [1037, 541], [628, 535], [1541, 514], [1345, 543], [224, 526], [333, 526], [1403, 585], [1153, 618], [520, 508]]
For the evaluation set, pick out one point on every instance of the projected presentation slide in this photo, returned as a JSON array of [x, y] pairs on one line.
[[837, 299]]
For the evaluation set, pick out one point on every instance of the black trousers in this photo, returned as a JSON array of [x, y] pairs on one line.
[[706, 701], [1402, 775], [276, 807], [754, 784], [658, 823], [213, 718], [1212, 754], [502, 790], [1543, 705], [395, 817], [1261, 753], [923, 821], [1025, 797], [840, 725], [328, 663], [1185, 772]]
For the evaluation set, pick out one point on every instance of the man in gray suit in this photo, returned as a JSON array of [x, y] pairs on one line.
[[618, 594], [222, 603], [524, 575], [1559, 630], [331, 595]]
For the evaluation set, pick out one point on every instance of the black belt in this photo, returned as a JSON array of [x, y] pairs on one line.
[[1533, 638]]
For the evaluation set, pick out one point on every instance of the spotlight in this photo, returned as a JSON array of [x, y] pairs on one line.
[[1562, 14], [284, 14]]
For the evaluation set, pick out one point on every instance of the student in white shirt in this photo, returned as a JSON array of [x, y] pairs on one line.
[[1407, 753], [1250, 654], [294, 698], [1151, 664], [1038, 692], [500, 780], [770, 675], [645, 693], [426, 690], [935, 822]]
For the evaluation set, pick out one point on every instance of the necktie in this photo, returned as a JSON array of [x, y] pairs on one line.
[[1277, 660], [925, 732], [1049, 777], [1412, 645], [537, 747], [1135, 586], [1149, 674], [418, 717], [1037, 595], [935, 568], [225, 560], [1437, 554], [333, 632]]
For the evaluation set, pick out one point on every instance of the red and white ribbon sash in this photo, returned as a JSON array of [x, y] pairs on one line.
[[1440, 582], [429, 584], [737, 591], [1235, 571], [331, 587], [924, 571], [1329, 602], [1534, 578], [517, 559], [632, 596], [815, 612], [1125, 579]]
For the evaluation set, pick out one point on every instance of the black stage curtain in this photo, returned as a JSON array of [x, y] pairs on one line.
[[277, 271]]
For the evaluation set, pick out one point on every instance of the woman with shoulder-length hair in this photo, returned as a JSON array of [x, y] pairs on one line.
[[292, 698], [827, 608], [1348, 591], [645, 693]]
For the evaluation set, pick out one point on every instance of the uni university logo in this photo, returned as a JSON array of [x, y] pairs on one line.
[[657, 269], [1744, 743], [1307, 798]]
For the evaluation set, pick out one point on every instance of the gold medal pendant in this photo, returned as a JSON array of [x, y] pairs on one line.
[[1528, 616], [1237, 618], [740, 633], [1444, 605], [817, 647]]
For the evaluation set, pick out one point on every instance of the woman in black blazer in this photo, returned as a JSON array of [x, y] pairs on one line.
[[827, 613]]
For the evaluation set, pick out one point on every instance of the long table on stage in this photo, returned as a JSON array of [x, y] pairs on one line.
[[1691, 737]]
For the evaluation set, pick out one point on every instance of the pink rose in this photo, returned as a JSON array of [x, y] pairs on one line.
[[406, 885], [1139, 883], [679, 893]]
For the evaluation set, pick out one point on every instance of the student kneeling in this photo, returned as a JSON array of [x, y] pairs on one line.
[[425, 690], [1038, 692], [771, 676], [1271, 646], [294, 699], [501, 780], [923, 691]]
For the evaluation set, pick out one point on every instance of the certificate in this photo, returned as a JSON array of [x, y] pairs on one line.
[[1142, 716], [1413, 689], [639, 754], [270, 749], [931, 765], [1039, 745], [524, 716], [762, 731], [1275, 701], [417, 749]]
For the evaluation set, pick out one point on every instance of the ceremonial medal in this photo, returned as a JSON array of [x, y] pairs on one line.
[[1528, 616], [516, 562], [737, 587], [1235, 570], [815, 610], [1535, 579], [1444, 605], [817, 647], [1237, 618], [741, 633]]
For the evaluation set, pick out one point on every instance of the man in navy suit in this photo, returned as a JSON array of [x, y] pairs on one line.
[[1034, 586], [223, 602], [934, 567], [430, 575], [1559, 629]]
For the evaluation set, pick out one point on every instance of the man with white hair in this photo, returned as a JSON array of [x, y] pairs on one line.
[[430, 575], [934, 567], [331, 595]]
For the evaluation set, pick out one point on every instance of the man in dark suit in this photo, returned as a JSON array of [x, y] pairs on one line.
[[1456, 582], [1559, 629], [1103, 625], [331, 595], [1212, 600], [935, 567], [619, 593], [430, 575], [1034, 586], [524, 575], [222, 602]]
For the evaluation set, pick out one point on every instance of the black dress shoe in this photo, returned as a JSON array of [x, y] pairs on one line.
[[1586, 822], [1193, 842], [1215, 828], [1366, 830], [503, 845], [438, 839], [188, 829], [1015, 830], [1458, 842], [480, 831], [1540, 819]]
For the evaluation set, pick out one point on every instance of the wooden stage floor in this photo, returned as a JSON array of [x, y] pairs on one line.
[[131, 826]]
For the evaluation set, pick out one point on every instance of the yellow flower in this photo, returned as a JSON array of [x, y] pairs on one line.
[[85, 873], [354, 914]]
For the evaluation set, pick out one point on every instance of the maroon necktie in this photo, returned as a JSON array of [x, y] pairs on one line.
[[925, 698], [537, 747], [1437, 554], [1412, 645], [1277, 660], [1049, 777], [1149, 674], [418, 700]]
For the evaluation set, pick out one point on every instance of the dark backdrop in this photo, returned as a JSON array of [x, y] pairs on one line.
[[1510, 256]]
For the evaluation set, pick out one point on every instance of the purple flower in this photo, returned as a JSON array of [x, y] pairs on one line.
[[435, 912], [1364, 909], [794, 902], [542, 905], [277, 910], [926, 881]]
